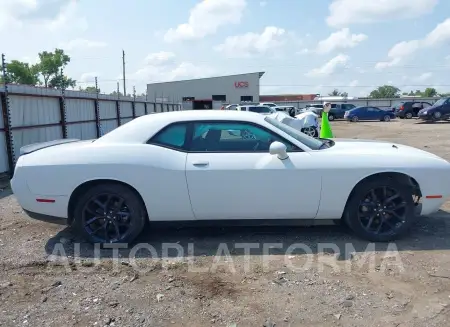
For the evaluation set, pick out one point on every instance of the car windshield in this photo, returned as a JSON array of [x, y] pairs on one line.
[[439, 102], [261, 110], [309, 141]]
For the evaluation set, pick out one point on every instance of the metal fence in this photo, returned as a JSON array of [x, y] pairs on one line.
[[36, 114]]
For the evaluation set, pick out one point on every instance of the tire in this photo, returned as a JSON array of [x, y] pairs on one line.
[[358, 200], [409, 115], [131, 214], [437, 115], [330, 117], [401, 117], [310, 131], [355, 119], [387, 118]]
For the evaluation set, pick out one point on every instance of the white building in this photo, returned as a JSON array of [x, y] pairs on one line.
[[207, 93]]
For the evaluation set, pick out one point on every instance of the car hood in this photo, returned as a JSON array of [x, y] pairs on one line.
[[379, 148]]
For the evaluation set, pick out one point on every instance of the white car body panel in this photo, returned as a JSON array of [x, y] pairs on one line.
[[309, 184], [241, 186]]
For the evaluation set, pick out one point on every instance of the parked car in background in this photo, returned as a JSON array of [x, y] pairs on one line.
[[438, 111], [258, 109], [337, 110], [410, 109], [368, 113], [229, 107], [306, 123], [268, 104], [290, 110]]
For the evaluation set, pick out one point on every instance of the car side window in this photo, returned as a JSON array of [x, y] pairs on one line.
[[172, 136], [233, 137], [426, 104]]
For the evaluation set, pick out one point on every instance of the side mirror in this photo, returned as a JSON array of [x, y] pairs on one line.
[[279, 149]]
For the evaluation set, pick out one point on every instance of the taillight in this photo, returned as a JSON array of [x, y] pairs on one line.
[[222, 108], [401, 108]]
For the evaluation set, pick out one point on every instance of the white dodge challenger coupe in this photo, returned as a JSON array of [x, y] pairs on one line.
[[226, 165]]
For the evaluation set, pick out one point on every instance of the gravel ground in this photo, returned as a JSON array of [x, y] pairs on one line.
[[48, 278]]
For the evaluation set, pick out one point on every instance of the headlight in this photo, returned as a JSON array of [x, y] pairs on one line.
[[424, 112]]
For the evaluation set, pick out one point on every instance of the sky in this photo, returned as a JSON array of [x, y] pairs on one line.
[[303, 46]]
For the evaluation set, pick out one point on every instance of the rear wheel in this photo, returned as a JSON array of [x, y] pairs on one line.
[[330, 117], [109, 213], [380, 210], [387, 118]]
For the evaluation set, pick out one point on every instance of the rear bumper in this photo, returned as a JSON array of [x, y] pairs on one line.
[[46, 218]]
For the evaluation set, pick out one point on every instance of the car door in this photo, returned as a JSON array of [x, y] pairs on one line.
[[168, 163], [373, 113], [231, 175], [363, 113]]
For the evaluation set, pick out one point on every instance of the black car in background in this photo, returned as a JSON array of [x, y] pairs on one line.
[[410, 109], [440, 110], [337, 110]]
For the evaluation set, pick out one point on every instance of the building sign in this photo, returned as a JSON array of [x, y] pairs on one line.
[[240, 85]]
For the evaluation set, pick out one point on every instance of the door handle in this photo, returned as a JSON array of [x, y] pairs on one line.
[[200, 163]]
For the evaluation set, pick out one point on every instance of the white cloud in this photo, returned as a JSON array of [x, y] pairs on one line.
[[437, 37], [82, 44], [303, 51], [330, 67], [160, 58], [206, 18], [15, 15], [346, 12], [340, 40], [88, 77], [354, 83], [165, 68], [248, 44], [424, 77]]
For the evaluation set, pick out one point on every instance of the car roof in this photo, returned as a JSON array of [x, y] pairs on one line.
[[140, 129]]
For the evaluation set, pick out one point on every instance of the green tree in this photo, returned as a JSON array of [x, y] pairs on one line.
[[336, 93], [19, 72], [115, 93], [61, 81], [430, 92], [50, 65], [385, 91], [90, 89]]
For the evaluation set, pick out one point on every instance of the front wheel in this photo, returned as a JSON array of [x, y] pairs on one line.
[[109, 213], [355, 119], [380, 210], [310, 131], [330, 117], [436, 115], [409, 115]]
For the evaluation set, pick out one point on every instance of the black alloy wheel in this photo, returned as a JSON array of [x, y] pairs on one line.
[[380, 210], [110, 214], [383, 211]]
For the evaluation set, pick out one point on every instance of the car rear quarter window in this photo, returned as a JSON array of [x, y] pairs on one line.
[[172, 136]]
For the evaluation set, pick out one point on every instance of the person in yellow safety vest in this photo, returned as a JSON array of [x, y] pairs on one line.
[[325, 129]]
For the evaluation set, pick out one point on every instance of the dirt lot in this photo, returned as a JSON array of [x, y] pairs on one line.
[[41, 287]]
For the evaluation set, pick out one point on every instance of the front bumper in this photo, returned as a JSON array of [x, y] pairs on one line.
[[426, 116]]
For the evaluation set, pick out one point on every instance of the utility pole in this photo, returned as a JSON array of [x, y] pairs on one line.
[[123, 64]]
